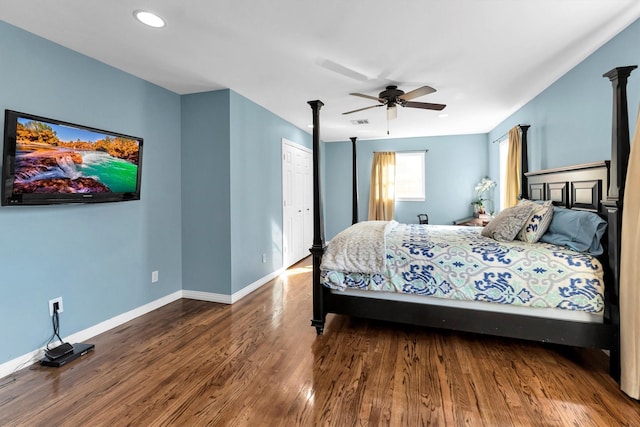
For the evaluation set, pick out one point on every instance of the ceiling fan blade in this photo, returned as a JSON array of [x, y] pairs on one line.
[[362, 95], [341, 69], [424, 105], [362, 109], [421, 91]]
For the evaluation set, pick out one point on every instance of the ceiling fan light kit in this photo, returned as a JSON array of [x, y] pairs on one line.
[[392, 112]]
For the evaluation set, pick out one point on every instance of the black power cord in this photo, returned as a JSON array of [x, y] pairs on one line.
[[55, 320], [63, 348]]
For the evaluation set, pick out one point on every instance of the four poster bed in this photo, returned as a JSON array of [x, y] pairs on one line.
[[595, 187]]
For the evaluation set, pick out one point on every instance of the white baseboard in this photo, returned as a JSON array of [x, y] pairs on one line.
[[20, 362], [255, 285], [122, 318], [11, 366], [207, 296], [230, 299]]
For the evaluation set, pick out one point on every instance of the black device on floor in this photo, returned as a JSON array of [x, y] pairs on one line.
[[59, 351], [79, 349]]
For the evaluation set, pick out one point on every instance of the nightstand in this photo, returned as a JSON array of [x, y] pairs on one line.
[[472, 222]]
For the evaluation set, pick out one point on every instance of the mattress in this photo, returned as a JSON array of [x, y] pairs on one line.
[[457, 264]]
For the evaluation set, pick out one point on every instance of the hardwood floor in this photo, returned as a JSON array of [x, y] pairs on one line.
[[260, 363]]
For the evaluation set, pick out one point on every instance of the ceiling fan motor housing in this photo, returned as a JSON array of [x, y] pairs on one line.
[[391, 94]]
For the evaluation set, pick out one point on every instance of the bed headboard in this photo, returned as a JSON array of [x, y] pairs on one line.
[[581, 187]]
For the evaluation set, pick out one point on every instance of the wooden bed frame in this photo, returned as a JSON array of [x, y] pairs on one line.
[[596, 187]]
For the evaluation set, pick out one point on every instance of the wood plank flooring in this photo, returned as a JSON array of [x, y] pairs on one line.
[[260, 363]]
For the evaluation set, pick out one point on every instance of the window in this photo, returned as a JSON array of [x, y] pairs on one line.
[[504, 154], [410, 176]]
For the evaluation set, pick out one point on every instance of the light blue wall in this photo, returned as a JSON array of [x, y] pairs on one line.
[[98, 258], [231, 190], [336, 186], [206, 235], [256, 188], [571, 120], [454, 164]]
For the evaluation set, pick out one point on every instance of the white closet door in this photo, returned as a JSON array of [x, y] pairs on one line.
[[298, 205], [308, 203], [287, 203], [297, 200]]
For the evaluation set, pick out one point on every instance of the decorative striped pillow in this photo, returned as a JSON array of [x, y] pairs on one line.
[[538, 221]]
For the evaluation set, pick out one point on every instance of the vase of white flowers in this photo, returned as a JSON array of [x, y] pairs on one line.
[[482, 190]]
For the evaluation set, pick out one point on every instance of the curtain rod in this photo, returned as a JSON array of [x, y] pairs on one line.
[[404, 151], [501, 136]]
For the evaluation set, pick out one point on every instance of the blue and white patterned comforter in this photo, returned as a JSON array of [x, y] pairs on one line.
[[457, 262]]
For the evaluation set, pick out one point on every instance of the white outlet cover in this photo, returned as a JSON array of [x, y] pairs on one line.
[[60, 306], [154, 276]]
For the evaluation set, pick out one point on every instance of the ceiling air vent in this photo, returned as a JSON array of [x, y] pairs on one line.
[[360, 122]]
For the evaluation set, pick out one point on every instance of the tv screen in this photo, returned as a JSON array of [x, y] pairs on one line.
[[47, 161]]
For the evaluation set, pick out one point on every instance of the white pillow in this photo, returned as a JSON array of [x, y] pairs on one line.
[[538, 222]]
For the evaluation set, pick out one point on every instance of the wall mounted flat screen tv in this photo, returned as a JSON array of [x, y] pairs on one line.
[[47, 161]]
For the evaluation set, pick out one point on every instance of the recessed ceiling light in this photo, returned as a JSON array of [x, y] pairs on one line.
[[443, 115], [149, 18]]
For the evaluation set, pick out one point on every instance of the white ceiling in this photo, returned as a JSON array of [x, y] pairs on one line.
[[486, 58]]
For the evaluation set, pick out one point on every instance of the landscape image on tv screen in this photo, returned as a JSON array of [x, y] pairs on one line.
[[57, 158]]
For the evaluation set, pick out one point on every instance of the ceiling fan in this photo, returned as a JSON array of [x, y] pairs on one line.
[[392, 97]]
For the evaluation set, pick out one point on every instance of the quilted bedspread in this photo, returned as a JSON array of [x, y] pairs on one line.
[[457, 262], [360, 248]]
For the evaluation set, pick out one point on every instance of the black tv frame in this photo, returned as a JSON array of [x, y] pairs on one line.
[[9, 198]]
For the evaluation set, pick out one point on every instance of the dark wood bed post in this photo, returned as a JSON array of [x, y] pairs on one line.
[[620, 149], [524, 162], [317, 250], [354, 205]]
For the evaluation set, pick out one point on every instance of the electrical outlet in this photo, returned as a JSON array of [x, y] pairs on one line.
[[52, 304], [154, 276], [264, 258]]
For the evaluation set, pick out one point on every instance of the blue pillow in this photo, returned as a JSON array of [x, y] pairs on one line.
[[577, 230]]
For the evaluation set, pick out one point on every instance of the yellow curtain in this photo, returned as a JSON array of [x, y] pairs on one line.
[[630, 274], [382, 191], [513, 168]]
